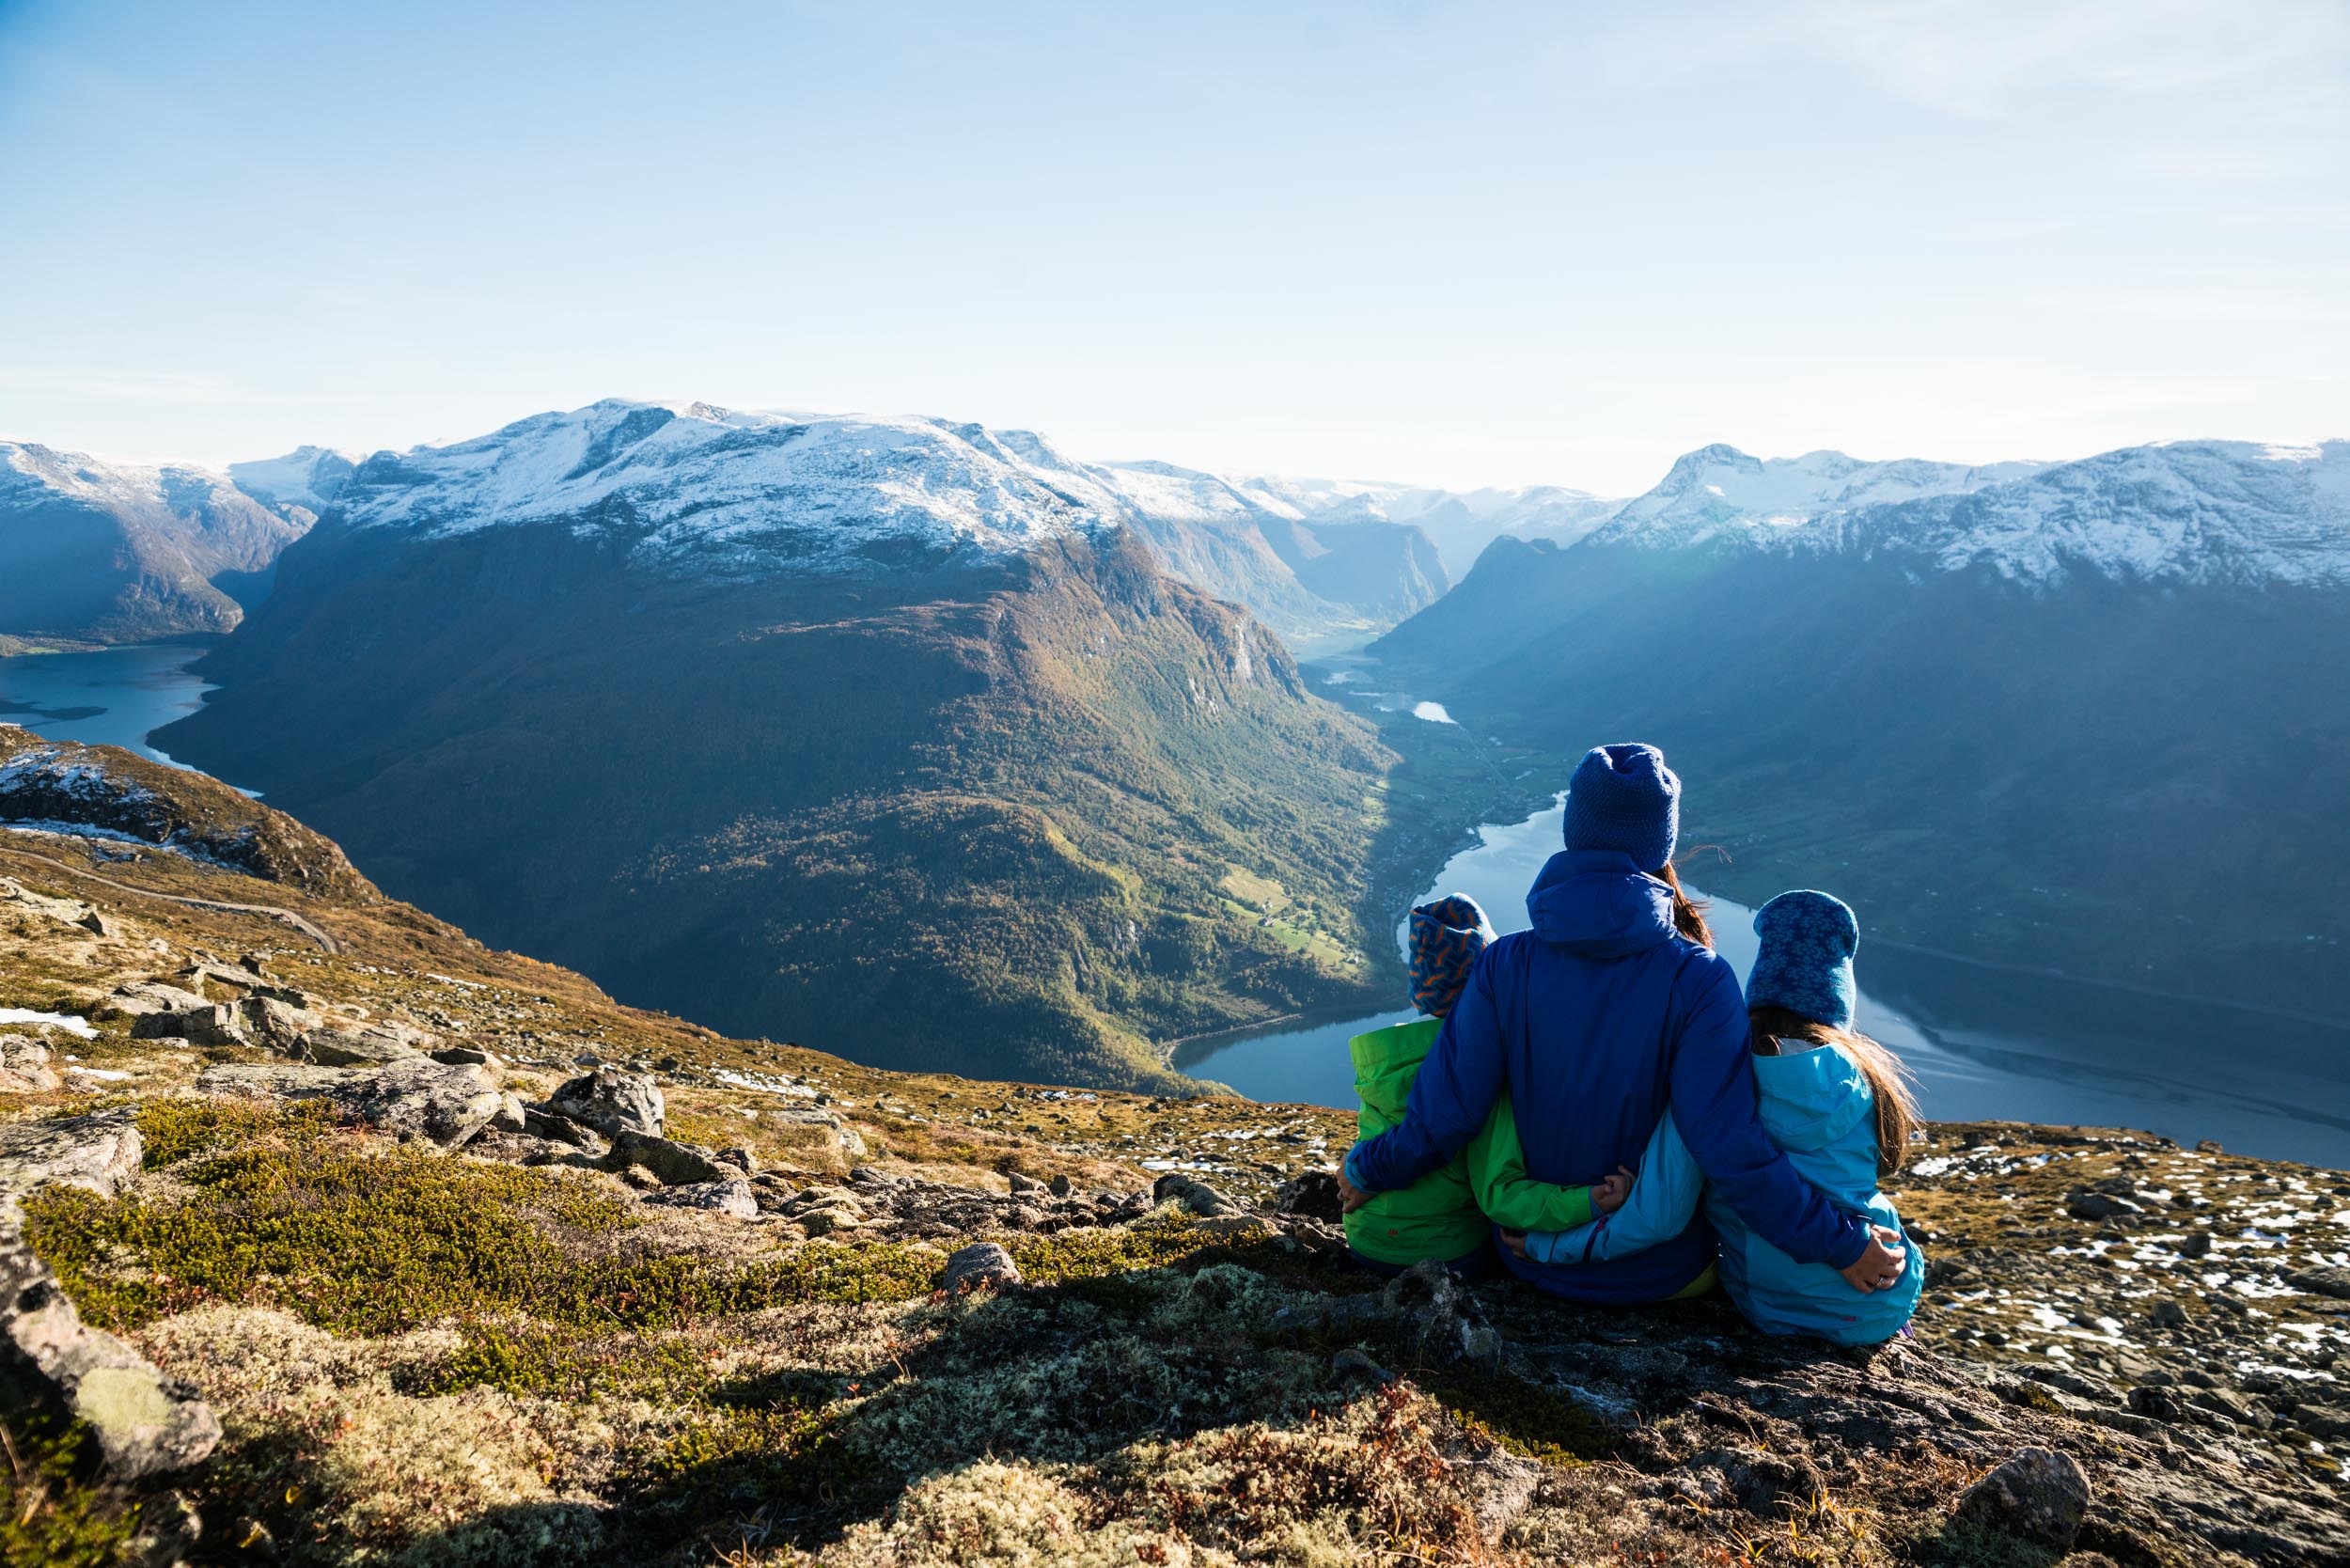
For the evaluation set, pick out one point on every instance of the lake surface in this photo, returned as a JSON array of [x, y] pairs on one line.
[[1984, 1043], [113, 698]]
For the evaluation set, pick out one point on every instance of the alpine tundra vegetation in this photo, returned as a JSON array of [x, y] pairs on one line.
[[331, 1236]]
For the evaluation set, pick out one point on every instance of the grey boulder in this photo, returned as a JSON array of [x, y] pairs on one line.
[[726, 1198], [200, 1024], [24, 1065], [675, 1164], [1196, 1195], [414, 1098], [371, 1046], [982, 1266], [612, 1102], [2035, 1496]]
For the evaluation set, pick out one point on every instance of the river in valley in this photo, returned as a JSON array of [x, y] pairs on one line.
[[1984, 1043]]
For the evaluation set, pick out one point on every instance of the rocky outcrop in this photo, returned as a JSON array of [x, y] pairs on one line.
[[416, 1098], [147, 1424], [120, 792]]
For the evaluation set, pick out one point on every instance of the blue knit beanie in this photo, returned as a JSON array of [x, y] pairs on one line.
[[1623, 798], [1805, 964], [1446, 937]]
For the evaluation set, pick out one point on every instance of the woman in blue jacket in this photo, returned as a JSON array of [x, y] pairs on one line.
[[1612, 1010], [1833, 1098]]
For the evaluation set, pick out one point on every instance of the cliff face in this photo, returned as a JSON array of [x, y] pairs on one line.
[[415, 1252]]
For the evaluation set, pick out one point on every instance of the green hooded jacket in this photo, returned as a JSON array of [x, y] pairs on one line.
[[1445, 1213]]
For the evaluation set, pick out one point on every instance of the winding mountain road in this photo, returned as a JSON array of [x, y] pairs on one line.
[[309, 929]]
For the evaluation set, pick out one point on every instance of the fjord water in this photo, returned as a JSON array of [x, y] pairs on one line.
[[1984, 1043], [115, 696]]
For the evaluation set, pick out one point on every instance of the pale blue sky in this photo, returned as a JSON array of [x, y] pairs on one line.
[[1449, 243]]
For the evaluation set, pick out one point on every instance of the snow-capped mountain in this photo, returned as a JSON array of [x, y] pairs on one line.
[[1718, 490], [893, 733], [693, 487], [1320, 570], [2184, 511], [2178, 513], [2073, 720], [310, 477], [703, 489], [119, 552]]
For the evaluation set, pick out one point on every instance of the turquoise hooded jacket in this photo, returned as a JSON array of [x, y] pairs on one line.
[[1817, 1106]]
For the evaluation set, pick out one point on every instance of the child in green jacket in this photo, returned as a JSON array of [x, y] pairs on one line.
[[1449, 1212]]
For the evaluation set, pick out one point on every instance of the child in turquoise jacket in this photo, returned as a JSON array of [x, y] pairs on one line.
[[1833, 1099]]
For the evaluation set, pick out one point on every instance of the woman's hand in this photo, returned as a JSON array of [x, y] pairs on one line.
[[1881, 1266], [1608, 1195], [1351, 1196], [1515, 1241]]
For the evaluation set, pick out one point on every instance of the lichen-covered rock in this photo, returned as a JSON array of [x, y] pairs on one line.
[[726, 1198], [1193, 1194], [416, 1098], [2037, 1495], [980, 1265], [201, 1022], [277, 1023], [1311, 1195], [370, 1046], [672, 1164], [837, 1131], [148, 1424], [612, 1101], [24, 1065], [96, 1153], [139, 999]]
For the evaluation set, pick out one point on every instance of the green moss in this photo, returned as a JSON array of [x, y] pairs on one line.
[[172, 1130], [359, 1237], [1521, 1416], [56, 1509], [553, 1362]]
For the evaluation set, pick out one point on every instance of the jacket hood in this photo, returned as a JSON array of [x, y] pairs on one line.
[[1599, 903], [1812, 1099]]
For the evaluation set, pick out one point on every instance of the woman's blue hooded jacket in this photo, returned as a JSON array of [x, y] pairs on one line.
[[1596, 1022]]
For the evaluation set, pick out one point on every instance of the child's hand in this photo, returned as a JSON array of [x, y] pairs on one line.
[[1515, 1241], [1608, 1195]]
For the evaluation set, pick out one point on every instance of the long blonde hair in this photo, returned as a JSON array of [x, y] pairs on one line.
[[1888, 1080]]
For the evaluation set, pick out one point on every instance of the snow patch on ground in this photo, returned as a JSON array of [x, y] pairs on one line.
[[80, 1027]]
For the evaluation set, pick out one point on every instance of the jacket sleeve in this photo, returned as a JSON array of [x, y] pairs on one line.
[[1510, 1197], [1664, 1199], [1452, 1094], [1713, 1105]]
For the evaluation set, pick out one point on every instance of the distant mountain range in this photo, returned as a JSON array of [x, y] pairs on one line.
[[2079, 715], [108, 553], [891, 733], [159, 551]]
